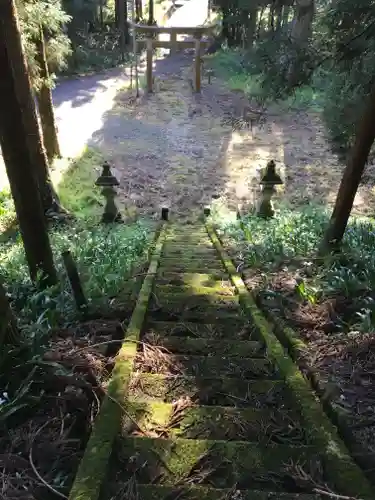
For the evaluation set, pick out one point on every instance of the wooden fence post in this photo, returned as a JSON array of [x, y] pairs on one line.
[[173, 43], [198, 67], [149, 64]]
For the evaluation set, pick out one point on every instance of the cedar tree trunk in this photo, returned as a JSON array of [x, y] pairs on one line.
[[45, 104], [16, 139]]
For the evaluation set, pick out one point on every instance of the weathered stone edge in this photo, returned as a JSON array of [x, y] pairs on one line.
[[297, 349], [93, 466], [346, 475]]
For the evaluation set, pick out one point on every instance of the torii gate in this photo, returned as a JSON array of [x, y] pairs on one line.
[[173, 44]]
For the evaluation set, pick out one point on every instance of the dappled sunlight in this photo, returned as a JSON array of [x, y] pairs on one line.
[[247, 154], [79, 117]]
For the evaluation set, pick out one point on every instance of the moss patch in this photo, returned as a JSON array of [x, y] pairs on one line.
[[193, 266], [182, 420], [218, 463], [191, 251], [192, 279], [204, 304], [220, 288], [155, 492], [221, 391]]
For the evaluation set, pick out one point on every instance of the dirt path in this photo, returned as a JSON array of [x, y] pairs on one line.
[[180, 149]]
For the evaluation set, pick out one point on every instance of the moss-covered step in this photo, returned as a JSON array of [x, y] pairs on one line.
[[187, 232], [220, 288], [212, 315], [153, 492], [220, 391], [211, 279], [189, 251], [205, 304], [184, 420], [157, 361], [192, 266], [220, 464], [198, 239], [235, 330], [199, 346]]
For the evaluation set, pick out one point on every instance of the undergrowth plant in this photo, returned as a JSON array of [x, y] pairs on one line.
[[105, 257], [289, 243]]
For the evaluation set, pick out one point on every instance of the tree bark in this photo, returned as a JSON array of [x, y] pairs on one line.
[[300, 35], [49, 197], [9, 332], [138, 10], [251, 27], [45, 104], [16, 139], [285, 16], [302, 22], [150, 12], [352, 176]]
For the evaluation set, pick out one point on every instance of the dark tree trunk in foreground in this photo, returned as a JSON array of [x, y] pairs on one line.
[[50, 200], [352, 177], [9, 332], [45, 104], [15, 139]]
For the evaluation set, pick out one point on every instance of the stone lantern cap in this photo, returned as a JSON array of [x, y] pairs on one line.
[[107, 179], [271, 177]]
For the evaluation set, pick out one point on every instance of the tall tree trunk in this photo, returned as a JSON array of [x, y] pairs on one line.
[[302, 22], [285, 16], [45, 105], [300, 36], [117, 14], [352, 176], [279, 15], [271, 17], [138, 10], [50, 200], [9, 332], [16, 138], [251, 27], [101, 14], [150, 12]]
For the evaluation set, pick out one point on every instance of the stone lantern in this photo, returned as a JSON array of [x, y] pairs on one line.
[[107, 182], [268, 182]]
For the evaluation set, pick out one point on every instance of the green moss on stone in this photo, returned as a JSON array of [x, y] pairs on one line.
[[193, 266], [156, 492], [231, 462], [191, 279], [344, 473], [222, 391], [220, 288], [218, 423]]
